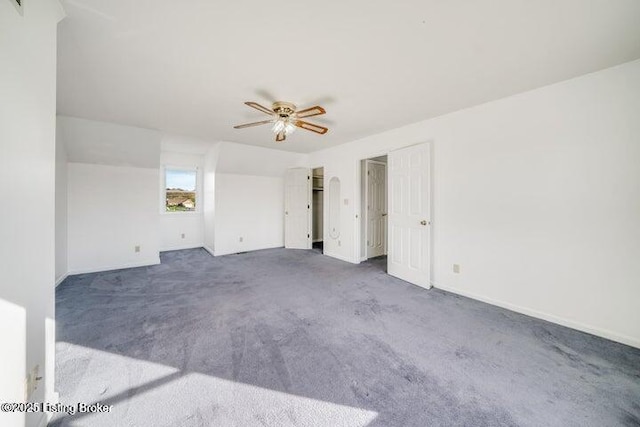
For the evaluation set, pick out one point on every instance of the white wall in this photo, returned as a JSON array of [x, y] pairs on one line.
[[173, 225], [250, 207], [112, 209], [94, 142], [536, 197], [27, 170], [61, 211], [209, 191], [248, 190]]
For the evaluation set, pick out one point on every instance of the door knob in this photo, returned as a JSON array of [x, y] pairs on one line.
[[423, 222]]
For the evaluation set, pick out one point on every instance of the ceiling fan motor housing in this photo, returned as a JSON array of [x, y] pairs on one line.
[[283, 109]]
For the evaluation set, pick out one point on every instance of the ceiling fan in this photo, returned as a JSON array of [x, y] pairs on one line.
[[285, 119]]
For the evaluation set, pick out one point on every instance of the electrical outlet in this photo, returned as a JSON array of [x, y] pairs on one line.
[[241, 239], [136, 248], [456, 268], [339, 243], [182, 235]]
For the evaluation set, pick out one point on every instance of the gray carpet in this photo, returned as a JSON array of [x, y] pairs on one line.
[[294, 338]]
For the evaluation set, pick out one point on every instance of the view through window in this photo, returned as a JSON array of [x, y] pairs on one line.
[[180, 193]]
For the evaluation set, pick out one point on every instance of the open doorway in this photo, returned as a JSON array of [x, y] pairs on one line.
[[374, 210], [317, 212]]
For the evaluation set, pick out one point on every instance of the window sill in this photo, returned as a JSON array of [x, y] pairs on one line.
[[191, 213]]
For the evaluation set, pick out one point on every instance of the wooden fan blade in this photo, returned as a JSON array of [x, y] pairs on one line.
[[308, 112], [260, 107], [280, 136], [310, 126], [248, 125]]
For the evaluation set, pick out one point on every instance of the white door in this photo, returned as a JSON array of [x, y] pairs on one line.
[[297, 209], [376, 200], [410, 214]]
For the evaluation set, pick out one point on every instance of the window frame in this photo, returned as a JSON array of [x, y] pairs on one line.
[[163, 190]]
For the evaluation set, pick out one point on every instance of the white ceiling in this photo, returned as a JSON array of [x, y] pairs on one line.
[[187, 67]]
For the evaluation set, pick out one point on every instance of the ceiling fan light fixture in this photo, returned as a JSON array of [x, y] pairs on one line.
[[283, 125]]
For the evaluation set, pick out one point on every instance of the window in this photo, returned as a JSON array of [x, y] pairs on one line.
[[180, 190]]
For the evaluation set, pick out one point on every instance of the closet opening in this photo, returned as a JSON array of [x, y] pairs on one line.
[[317, 211]]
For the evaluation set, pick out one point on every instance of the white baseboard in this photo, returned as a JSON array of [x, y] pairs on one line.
[[180, 248], [61, 279], [208, 249], [239, 250], [146, 263], [341, 257], [603, 333]]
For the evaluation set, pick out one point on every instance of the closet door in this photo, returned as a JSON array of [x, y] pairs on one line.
[[297, 209]]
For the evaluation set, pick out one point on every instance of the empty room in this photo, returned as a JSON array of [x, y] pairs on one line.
[[339, 213]]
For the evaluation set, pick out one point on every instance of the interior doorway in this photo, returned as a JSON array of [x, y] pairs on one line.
[[317, 211], [374, 209]]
